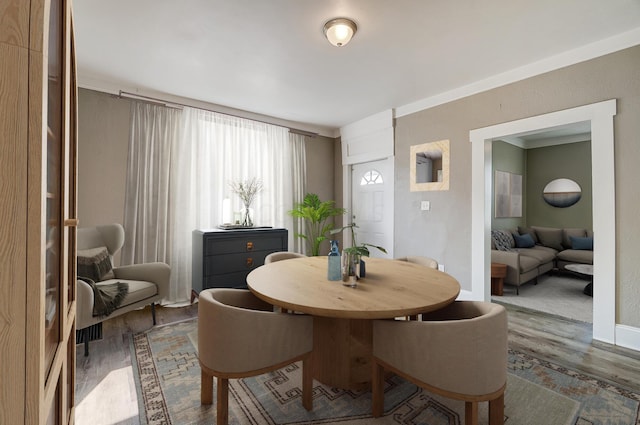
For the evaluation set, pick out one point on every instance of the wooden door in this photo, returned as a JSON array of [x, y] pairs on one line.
[[372, 204]]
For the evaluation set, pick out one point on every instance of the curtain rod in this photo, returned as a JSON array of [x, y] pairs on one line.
[[178, 105]]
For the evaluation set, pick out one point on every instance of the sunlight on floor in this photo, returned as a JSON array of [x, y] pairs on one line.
[[107, 403]]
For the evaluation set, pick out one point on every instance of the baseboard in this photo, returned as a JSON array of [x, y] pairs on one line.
[[628, 337]]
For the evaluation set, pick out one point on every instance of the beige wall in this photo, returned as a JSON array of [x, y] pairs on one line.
[[445, 231], [103, 140]]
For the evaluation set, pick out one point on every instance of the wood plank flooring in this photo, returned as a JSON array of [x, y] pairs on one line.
[[105, 391]]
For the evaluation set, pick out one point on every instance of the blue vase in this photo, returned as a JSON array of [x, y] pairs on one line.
[[334, 272]]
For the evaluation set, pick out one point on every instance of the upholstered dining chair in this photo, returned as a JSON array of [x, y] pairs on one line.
[[423, 261], [239, 335], [146, 283], [458, 352], [281, 255]]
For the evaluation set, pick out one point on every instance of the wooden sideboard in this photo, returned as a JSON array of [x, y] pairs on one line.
[[224, 258]]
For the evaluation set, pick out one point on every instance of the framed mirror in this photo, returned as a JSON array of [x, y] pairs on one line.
[[429, 166]]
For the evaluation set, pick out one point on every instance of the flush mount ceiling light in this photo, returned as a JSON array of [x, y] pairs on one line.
[[339, 31]]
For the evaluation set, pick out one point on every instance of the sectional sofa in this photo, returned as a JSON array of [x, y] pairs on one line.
[[532, 251]]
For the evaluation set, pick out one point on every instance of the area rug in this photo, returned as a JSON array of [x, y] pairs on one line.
[[167, 378], [556, 294]]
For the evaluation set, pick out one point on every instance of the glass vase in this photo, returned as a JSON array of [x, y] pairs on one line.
[[247, 220], [350, 269]]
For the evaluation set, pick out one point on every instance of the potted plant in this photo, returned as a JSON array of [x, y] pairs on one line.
[[355, 252], [247, 191], [316, 215]]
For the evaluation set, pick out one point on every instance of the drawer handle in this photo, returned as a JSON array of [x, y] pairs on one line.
[[249, 262], [249, 246]]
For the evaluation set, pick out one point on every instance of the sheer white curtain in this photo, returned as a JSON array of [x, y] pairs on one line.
[[214, 150], [154, 130]]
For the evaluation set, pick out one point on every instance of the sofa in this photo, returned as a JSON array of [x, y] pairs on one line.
[[532, 251]]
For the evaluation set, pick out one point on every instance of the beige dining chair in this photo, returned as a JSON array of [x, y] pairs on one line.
[[423, 261], [282, 255], [459, 352], [239, 336]]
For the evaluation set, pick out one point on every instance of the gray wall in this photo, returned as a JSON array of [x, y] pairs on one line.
[[538, 167], [445, 231], [507, 157], [571, 161]]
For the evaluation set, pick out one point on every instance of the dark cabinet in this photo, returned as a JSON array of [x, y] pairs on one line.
[[224, 258]]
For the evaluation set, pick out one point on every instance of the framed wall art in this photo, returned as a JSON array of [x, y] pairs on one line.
[[508, 194]]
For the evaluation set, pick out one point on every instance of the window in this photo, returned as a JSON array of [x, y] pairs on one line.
[[371, 177]]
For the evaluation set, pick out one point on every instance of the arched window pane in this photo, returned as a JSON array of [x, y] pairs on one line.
[[371, 177]]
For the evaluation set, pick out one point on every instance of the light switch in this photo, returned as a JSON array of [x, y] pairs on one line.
[[425, 205]]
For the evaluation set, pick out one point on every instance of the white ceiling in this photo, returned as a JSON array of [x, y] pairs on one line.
[[271, 58]]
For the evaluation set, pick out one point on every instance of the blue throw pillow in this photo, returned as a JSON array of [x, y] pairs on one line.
[[524, 241], [582, 243]]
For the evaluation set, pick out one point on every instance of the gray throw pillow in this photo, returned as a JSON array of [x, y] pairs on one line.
[[503, 240], [95, 264]]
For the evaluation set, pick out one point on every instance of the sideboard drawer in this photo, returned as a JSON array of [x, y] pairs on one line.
[[228, 263], [215, 246], [224, 258]]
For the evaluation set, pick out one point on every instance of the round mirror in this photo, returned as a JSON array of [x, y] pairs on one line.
[[562, 193]]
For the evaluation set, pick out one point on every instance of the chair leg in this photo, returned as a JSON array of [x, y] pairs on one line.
[[496, 410], [206, 388], [222, 417], [85, 336], [307, 383], [377, 389], [471, 413], [153, 313]]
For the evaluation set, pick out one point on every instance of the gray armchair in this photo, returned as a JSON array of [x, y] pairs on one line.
[[147, 283]]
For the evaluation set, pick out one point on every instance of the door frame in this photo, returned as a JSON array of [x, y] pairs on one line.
[[600, 115]]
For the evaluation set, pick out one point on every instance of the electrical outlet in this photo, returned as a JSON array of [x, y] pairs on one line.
[[425, 205], [441, 267]]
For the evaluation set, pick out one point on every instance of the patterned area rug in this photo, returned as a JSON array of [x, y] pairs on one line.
[[167, 377]]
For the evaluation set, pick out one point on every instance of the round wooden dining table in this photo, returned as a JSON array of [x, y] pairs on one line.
[[343, 315]]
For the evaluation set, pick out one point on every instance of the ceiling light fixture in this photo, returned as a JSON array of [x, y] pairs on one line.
[[339, 31]]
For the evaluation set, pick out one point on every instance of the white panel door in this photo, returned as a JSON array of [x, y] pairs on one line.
[[372, 204]]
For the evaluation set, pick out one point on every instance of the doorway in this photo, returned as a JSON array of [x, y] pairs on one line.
[[372, 204], [600, 116]]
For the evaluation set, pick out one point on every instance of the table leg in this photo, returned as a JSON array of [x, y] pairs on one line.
[[342, 352]]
